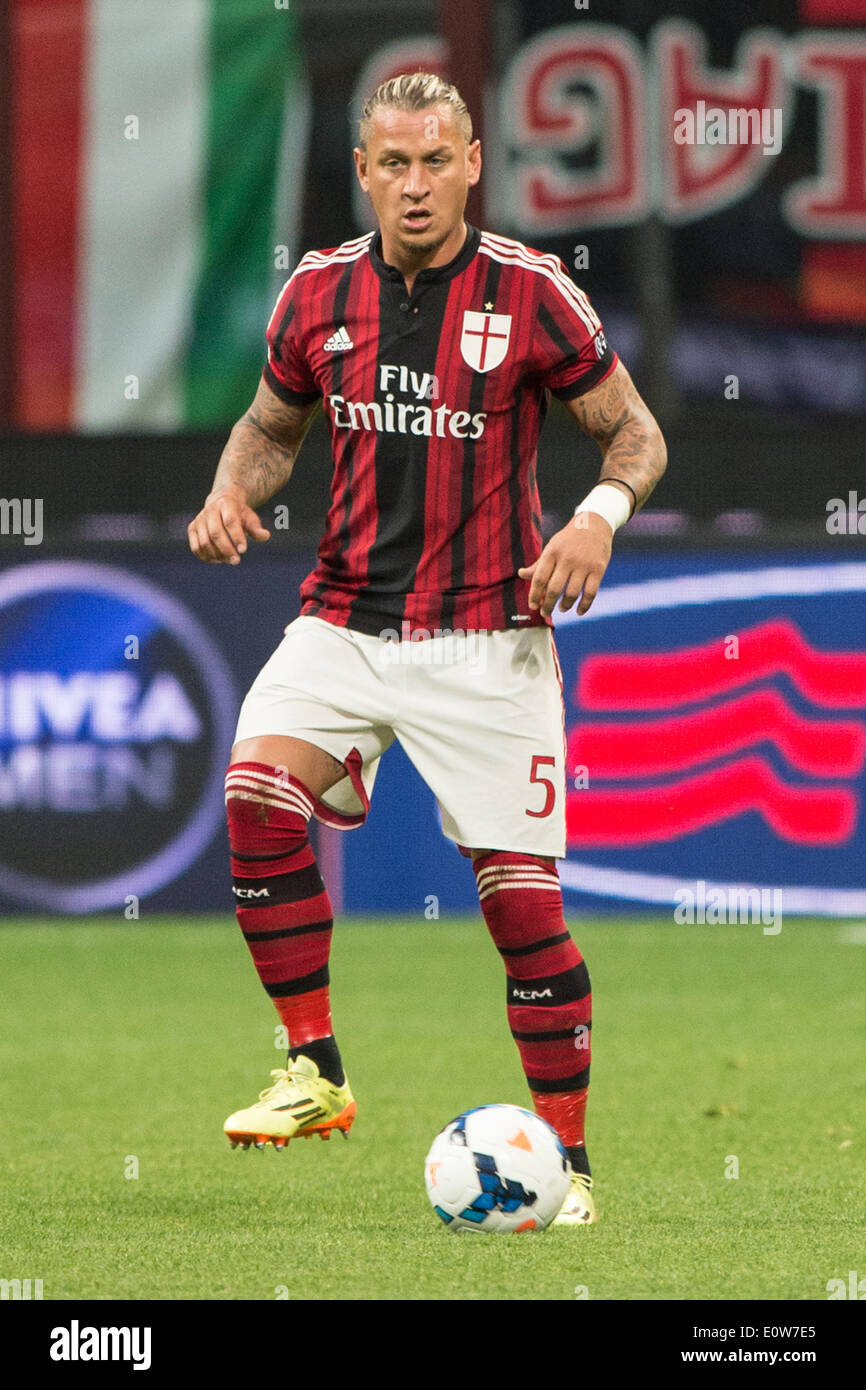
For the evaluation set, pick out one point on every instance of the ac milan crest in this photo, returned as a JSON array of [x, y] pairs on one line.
[[484, 340]]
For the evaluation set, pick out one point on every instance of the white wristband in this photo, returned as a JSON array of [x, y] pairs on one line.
[[608, 502]]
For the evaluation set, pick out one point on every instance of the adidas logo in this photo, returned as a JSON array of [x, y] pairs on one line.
[[339, 341]]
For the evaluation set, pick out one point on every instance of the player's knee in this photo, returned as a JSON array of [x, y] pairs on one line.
[[263, 803]]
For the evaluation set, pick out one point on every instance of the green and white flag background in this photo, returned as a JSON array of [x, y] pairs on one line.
[[156, 206]]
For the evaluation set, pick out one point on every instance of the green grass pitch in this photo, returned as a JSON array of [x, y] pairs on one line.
[[125, 1045]]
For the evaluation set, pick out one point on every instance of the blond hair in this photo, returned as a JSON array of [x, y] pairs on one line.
[[415, 91]]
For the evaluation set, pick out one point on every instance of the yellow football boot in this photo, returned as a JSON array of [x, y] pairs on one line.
[[299, 1103], [578, 1209]]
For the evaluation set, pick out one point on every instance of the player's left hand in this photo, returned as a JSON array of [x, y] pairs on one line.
[[571, 565]]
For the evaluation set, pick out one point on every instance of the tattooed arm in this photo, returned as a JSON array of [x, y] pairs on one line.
[[631, 442], [256, 462], [573, 562]]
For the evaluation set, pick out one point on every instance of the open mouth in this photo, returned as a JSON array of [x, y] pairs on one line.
[[417, 218]]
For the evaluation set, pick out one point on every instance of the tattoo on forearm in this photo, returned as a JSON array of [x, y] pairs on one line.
[[630, 440], [636, 459], [253, 462], [262, 449]]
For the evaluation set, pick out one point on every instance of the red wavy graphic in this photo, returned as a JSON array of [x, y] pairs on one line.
[[829, 748], [642, 816], [656, 680]]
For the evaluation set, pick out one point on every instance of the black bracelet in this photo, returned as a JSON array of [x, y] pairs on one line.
[[624, 484]]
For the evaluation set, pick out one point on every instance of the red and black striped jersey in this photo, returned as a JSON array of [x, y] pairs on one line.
[[434, 402]]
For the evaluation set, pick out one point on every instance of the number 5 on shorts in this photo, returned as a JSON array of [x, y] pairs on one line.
[[549, 788]]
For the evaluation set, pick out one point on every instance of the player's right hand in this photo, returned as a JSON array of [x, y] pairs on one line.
[[219, 533]]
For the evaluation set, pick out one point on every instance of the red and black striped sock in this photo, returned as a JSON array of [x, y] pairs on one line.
[[549, 1000], [282, 905]]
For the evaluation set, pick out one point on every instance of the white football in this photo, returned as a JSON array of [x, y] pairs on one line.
[[497, 1168]]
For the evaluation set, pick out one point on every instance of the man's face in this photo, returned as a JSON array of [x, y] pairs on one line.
[[417, 169]]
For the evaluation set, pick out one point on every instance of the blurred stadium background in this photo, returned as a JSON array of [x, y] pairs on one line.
[[162, 168]]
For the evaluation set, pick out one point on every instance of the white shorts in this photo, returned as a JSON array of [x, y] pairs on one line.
[[479, 714]]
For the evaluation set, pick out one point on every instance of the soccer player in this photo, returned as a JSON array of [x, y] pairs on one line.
[[432, 347]]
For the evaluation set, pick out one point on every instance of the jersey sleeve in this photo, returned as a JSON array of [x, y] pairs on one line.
[[575, 355], [286, 370]]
